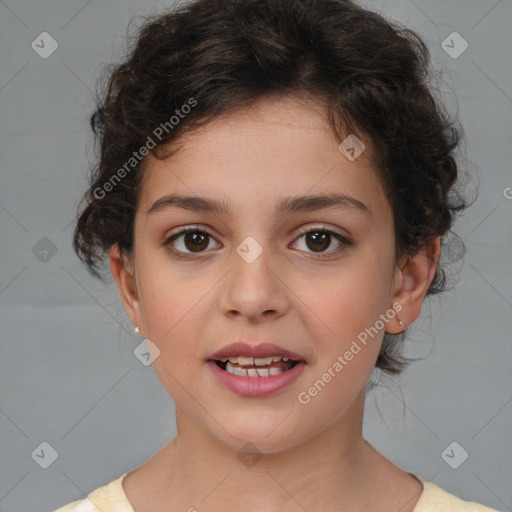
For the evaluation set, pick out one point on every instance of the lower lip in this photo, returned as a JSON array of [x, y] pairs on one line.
[[256, 386]]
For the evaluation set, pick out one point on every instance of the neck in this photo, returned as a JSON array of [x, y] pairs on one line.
[[337, 463]]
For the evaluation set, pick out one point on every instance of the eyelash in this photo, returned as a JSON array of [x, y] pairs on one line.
[[345, 242]]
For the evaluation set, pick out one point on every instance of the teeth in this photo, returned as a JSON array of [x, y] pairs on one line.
[[254, 361], [235, 370], [252, 372], [262, 361]]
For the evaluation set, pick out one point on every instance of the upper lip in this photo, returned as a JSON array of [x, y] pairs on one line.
[[243, 349]]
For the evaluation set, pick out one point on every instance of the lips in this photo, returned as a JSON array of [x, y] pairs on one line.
[[243, 349], [255, 370]]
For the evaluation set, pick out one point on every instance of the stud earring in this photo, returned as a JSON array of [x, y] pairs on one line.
[[137, 330]]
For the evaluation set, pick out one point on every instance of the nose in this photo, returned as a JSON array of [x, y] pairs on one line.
[[255, 290]]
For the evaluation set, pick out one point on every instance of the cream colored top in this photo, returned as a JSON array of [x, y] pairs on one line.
[[112, 498]]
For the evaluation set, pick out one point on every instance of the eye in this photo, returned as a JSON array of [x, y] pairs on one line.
[[189, 241], [319, 239]]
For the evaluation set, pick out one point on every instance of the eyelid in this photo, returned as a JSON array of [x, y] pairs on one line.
[[320, 227], [303, 230], [186, 229]]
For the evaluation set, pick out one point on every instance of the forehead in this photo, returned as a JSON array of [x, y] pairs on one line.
[[254, 156]]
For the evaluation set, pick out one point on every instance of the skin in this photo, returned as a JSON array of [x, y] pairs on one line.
[[311, 456]]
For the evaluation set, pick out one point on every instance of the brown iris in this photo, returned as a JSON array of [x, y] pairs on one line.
[[195, 240], [321, 240]]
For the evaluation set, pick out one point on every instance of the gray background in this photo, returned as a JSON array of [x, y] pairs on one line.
[[68, 374]]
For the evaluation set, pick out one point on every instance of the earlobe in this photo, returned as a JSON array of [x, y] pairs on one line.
[[123, 274], [415, 278]]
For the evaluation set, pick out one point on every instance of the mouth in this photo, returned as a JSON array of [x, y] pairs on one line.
[[263, 360], [256, 370], [243, 366]]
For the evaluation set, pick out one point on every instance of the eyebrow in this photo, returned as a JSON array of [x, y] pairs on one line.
[[285, 206]]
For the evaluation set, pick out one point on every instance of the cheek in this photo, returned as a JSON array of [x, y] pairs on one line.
[[171, 312], [346, 352], [168, 306], [167, 293], [353, 296], [346, 322]]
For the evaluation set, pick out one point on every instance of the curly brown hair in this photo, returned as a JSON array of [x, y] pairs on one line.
[[214, 56]]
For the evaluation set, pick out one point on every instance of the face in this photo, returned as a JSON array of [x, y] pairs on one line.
[[310, 280]]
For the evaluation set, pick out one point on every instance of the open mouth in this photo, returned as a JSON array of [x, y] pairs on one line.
[[255, 366]]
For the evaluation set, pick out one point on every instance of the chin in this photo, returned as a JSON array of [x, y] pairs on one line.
[[261, 436]]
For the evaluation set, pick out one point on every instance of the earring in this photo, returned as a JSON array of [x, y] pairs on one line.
[[137, 330], [401, 324]]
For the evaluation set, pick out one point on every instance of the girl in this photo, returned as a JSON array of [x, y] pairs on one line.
[[274, 182]]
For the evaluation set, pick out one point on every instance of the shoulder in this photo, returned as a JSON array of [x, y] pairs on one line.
[[433, 498], [85, 505], [107, 498]]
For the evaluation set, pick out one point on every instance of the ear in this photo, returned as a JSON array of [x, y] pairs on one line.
[[122, 270], [412, 282]]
